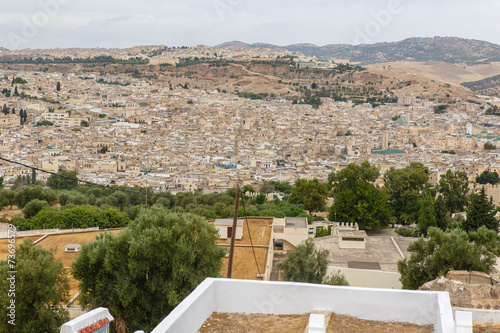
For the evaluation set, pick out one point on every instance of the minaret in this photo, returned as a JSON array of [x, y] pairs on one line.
[[385, 138], [408, 117], [469, 128]]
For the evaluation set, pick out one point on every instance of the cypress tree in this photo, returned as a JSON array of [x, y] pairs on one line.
[[480, 212]]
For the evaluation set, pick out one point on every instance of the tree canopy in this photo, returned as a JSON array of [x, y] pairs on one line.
[[283, 187], [405, 187], [455, 188], [6, 198], [266, 187], [308, 264], [363, 204], [309, 193], [152, 266], [445, 251], [480, 212], [350, 176], [488, 177], [28, 193], [83, 216], [41, 286], [66, 182], [426, 214], [33, 207]]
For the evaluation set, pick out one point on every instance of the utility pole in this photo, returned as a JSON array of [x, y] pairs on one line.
[[233, 236]]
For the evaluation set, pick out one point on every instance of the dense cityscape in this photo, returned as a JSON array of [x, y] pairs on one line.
[[248, 187]]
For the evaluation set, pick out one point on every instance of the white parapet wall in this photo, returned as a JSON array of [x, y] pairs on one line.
[[366, 278], [41, 232], [265, 297], [96, 320], [483, 317]]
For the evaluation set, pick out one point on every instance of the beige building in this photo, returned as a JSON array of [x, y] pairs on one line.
[[9, 120], [289, 232], [63, 119], [50, 165]]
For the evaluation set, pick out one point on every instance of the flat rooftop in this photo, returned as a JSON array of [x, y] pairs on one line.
[[380, 251], [295, 222], [58, 242], [228, 222], [256, 323], [353, 233], [244, 261]]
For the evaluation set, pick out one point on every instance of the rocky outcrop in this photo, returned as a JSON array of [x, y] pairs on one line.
[[468, 289]]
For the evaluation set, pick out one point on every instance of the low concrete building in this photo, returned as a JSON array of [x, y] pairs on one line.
[[225, 228], [289, 232], [352, 239], [72, 248]]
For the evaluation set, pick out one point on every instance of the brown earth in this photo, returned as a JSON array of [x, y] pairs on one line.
[[58, 242], [4, 243], [11, 213], [244, 265], [283, 80], [347, 324], [236, 322], [431, 79], [454, 74], [254, 323], [481, 329]]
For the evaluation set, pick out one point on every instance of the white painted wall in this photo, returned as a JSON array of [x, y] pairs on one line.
[[89, 318], [369, 278], [192, 312], [483, 317], [223, 231], [270, 257], [264, 297]]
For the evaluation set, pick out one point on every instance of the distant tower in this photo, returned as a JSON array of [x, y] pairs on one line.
[[469, 129], [451, 128], [408, 117], [385, 138]]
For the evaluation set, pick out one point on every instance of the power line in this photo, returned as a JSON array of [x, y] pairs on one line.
[[250, 235], [112, 188], [233, 232]]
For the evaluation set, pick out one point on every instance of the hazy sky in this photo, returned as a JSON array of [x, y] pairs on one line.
[[123, 23]]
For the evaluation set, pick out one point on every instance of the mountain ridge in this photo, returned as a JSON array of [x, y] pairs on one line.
[[448, 49]]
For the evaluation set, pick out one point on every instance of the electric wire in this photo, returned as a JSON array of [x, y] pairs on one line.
[[249, 234], [113, 188]]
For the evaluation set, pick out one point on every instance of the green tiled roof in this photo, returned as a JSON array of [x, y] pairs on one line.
[[400, 120], [388, 151]]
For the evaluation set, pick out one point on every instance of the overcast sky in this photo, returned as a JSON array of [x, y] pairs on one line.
[[124, 23]]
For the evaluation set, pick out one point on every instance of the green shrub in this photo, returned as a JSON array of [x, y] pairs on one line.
[[406, 232]]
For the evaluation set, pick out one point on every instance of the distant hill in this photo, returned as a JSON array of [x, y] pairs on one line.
[[233, 45], [449, 49], [488, 83]]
